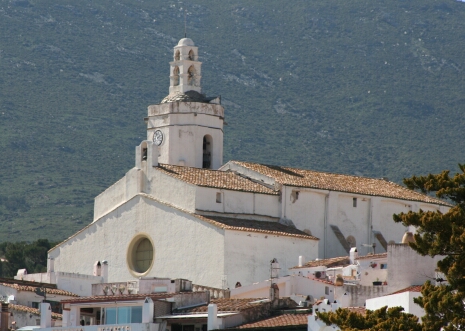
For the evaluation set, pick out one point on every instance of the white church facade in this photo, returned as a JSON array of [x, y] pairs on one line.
[[182, 213]]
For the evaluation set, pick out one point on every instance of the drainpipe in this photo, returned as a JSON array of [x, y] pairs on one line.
[[326, 225]]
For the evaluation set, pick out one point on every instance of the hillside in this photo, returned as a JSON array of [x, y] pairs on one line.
[[370, 88]]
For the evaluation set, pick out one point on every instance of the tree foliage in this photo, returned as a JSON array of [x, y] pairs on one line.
[[381, 319], [24, 255], [441, 234]]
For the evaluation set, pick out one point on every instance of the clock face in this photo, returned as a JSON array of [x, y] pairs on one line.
[[157, 137]]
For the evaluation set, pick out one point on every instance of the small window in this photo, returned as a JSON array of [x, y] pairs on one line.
[[326, 290], [354, 202], [383, 266], [218, 197]]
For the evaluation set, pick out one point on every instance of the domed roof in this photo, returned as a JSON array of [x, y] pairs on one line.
[[186, 42]]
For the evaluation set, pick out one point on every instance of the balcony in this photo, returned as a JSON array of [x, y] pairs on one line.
[[107, 327]]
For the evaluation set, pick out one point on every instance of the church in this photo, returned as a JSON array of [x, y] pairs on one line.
[[181, 213]]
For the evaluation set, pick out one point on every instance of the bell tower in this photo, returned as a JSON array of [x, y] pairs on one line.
[[187, 126], [185, 69]]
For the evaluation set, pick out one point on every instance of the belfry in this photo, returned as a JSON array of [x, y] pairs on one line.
[[187, 126]]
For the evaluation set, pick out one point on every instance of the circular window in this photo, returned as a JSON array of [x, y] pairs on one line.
[[140, 255]]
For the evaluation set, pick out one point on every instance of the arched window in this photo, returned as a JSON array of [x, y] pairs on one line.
[[191, 55], [191, 76], [177, 55], [207, 152], [176, 76]]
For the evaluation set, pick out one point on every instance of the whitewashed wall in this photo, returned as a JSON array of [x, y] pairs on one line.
[[248, 255], [316, 210], [404, 299], [184, 124], [172, 190], [185, 247], [406, 267], [236, 202]]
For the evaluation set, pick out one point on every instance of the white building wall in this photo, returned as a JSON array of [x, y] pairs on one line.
[[404, 300], [79, 284], [235, 202], [184, 246], [406, 267], [307, 212], [184, 124], [248, 255], [171, 190], [288, 286]]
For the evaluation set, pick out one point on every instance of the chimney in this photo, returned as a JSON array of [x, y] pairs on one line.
[[51, 264], [301, 260], [45, 315], [97, 268], [212, 323], [353, 255], [274, 295], [147, 311], [104, 271]]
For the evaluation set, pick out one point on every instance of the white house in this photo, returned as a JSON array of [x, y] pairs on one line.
[[403, 298], [173, 215]]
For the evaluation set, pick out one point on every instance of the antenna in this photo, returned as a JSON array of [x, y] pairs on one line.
[[185, 23]]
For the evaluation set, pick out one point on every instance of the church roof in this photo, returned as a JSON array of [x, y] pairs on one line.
[[214, 178], [273, 228], [189, 96], [337, 182]]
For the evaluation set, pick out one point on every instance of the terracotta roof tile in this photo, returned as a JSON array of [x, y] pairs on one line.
[[331, 262], [278, 321], [413, 288], [214, 178], [337, 182], [189, 96], [273, 228], [33, 288], [119, 297], [30, 310], [229, 305], [372, 256]]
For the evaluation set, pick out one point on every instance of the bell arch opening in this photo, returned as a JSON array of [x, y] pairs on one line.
[[176, 76], [191, 76], [207, 152], [191, 55], [177, 55]]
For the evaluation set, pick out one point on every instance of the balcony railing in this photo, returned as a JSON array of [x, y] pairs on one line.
[[107, 327]]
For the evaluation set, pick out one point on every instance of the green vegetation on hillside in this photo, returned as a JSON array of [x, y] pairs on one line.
[[370, 88], [24, 255]]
